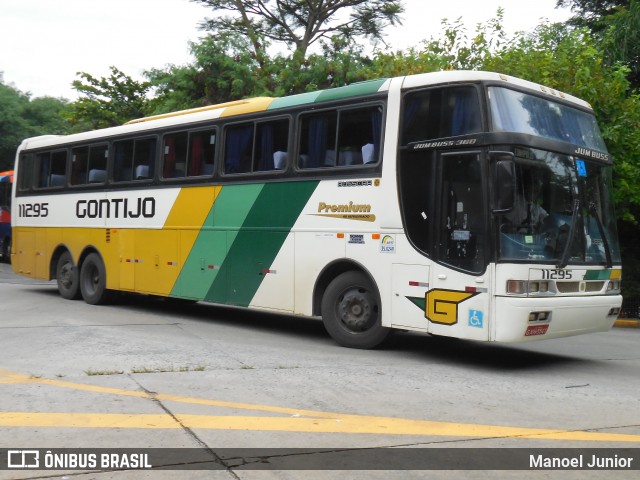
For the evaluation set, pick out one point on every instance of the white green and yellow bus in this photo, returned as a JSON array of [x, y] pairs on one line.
[[465, 204]]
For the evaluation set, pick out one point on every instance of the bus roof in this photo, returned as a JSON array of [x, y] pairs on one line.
[[259, 104]]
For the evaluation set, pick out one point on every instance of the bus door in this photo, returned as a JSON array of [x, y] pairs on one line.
[[458, 300]]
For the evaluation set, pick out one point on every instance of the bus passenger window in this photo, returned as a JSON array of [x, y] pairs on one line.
[[144, 158], [98, 156], [89, 165], [79, 165], [341, 139], [51, 169], [238, 148], [134, 159], [440, 113], [202, 150], [123, 161], [272, 141], [26, 172], [359, 134], [175, 155], [318, 140]]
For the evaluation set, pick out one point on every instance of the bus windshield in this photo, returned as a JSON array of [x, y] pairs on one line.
[[514, 111], [562, 212]]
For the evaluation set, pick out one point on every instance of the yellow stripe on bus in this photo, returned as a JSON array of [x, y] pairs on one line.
[[162, 253]]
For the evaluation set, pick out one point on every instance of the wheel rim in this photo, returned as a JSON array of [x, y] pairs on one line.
[[92, 279], [356, 310]]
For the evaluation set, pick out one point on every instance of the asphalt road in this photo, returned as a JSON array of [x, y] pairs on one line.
[[145, 373]]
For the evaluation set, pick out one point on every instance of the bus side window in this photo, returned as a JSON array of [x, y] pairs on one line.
[[272, 142], [238, 148], [26, 172], [144, 158], [123, 161], [98, 155], [338, 139], [175, 155], [318, 140], [134, 159], [51, 169], [441, 113], [79, 165], [202, 150], [359, 136]]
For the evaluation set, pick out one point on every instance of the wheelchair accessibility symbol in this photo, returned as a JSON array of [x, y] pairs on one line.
[[476, 318]]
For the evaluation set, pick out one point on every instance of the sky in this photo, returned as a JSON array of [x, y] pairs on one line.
[[44, 43]]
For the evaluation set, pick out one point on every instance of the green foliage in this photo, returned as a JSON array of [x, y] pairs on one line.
[[339, 63], [298, 24], [593, 14], [107, 101], [22, 117], [621, 41], [453, 49], [224, 70]]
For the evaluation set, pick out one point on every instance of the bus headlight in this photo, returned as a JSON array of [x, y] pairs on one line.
[[613, 286], [540, 316], [532, 287]]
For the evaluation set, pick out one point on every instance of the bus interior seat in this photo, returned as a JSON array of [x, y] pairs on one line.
[[97, 175], [368, 151], [142, 172], [279, 160], [330, 158], [349, 157], [56, 180], [207, 169]]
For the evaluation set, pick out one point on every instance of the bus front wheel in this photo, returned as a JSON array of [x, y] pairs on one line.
[[351, 311], [93, 280], [67, 277]]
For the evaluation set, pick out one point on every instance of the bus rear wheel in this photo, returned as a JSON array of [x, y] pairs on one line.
[[67, 277], [351, 311], [93, 280], [6, 250]]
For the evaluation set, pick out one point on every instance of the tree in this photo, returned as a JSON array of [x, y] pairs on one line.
[[452, 49], [22, 117], [339, 63], [224, 70], [107, 101], [622, 40], [298, 24], [617, 24], [592, 13]]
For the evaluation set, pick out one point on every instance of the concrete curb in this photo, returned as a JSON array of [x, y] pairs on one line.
[[627, 323]]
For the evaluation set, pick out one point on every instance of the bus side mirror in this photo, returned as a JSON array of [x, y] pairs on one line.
[[504, 182]]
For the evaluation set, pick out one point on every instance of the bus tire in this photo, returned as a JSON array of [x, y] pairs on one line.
[[351, 311], [6, 250], [93, 280], [67, 277]]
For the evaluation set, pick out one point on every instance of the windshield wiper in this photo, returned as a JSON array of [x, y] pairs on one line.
[[564, 260], [607, 251]]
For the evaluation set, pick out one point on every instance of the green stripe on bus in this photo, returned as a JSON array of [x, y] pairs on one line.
[[361, 88], [598, 275], [257, 243], [294, 100], [210, 248]]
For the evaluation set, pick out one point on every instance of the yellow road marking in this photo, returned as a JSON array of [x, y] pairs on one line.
[[296, 420]]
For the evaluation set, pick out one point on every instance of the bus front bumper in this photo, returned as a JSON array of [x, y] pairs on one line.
[[523, 319]]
